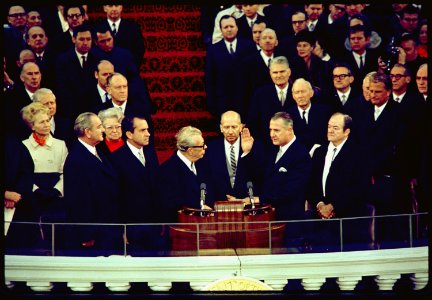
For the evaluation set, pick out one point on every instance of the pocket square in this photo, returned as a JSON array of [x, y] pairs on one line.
[[282, 169]]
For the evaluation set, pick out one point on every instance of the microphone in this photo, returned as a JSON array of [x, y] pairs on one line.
[[250, 192], [203, 193]]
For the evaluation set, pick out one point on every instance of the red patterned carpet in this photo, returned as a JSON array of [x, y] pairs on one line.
[[173, 68]]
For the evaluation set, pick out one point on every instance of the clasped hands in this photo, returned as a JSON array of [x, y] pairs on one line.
[[11, 199], [325, 211]]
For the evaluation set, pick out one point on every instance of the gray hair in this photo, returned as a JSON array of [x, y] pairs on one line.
[[82, 122], [186, 137], [302, 80], [112, 112], [268, 30], [280, 60], [369, 76], [285, 117], [41, 93]]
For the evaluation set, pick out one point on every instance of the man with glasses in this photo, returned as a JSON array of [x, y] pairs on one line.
[[344, 98], [288, 45], [412, 113], [14, 33], [74, 15], [180, 177]]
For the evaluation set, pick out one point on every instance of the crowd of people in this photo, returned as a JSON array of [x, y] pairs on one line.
[[323, 107]]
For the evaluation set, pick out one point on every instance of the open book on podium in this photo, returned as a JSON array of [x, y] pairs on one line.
[[231, 225]]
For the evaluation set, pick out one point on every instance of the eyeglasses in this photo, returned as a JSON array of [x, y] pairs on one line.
[[298, 22], [34, 36], [74, 16], [117, 127], [17, 15], [341, 76], [396, 76], [421, 78], [339, 8], [202, 146]]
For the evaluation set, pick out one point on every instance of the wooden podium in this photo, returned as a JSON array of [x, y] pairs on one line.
[[229, 225]]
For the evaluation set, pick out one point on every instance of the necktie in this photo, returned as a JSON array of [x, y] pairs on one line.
[[233, 165], [397, 99], [361, 63], [279, 154], [334, 154], [39, 58], [141, 158], [268, 63], [231, 49], [107, 99], [304, 117], [193, 168], [326, 170], [97, 155], [376, 115], [114, 29], [343, 99], [84, 61], [311, 27], [282, 97], [251, 24]]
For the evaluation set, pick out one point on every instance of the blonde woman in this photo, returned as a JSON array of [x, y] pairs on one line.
[[49, 155]]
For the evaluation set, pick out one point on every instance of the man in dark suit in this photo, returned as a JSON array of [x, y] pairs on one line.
[[180, 177], [361, 59], [224, 160], [288, 43], [249, 18], [98, 93], [74, 73], [74, 15], [20, 96], [17, 184], [126, 33], [124, 63], [380, 131], [344, 98], [267, 100], [91, 189], [310, 119], [337, 187], [255, 68], [284, 173], [221, 68], [37, 41], [136, 164], [118, 89], [61, 127]]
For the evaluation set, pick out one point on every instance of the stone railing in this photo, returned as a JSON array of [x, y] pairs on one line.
[[204, 273]]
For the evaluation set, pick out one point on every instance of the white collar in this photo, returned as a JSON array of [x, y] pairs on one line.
[[184, 159], [285, 147], [90, 148]]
